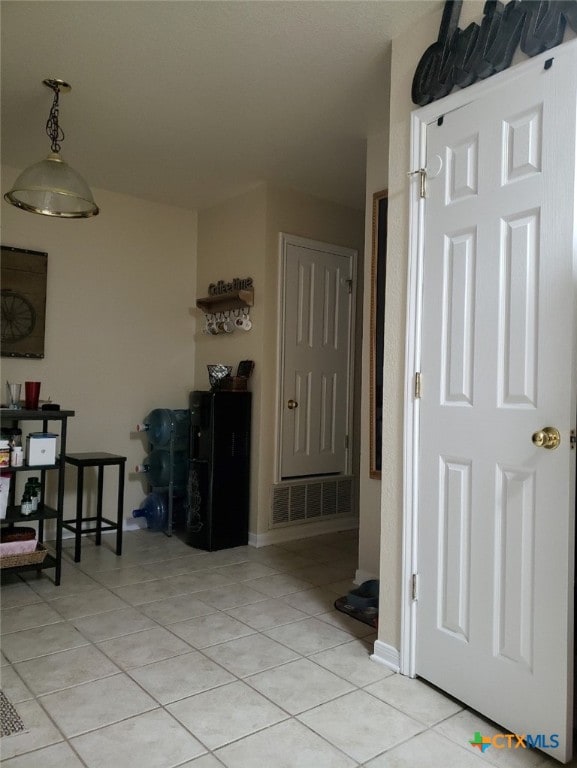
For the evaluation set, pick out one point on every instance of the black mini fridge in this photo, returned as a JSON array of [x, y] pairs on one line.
[[219, 483]]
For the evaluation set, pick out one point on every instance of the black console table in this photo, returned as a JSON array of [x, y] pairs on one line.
[[11, 418]]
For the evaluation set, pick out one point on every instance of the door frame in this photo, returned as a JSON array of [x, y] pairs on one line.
[[420, 118], [284, 241]]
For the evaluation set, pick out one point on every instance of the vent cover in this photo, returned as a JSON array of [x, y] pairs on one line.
[[298, 502]]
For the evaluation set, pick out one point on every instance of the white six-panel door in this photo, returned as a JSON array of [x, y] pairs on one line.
[[495, 531], [315, 398]]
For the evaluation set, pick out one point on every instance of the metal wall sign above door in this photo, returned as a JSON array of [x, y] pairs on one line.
[[460, 57]]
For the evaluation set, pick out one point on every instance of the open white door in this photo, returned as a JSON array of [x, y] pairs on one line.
[[495, 513]]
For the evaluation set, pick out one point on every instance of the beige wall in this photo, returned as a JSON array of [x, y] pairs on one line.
[[370, 488], [407, 50], [123, 334], [293, 213], [119, 336], [240, 238], [231, 243]]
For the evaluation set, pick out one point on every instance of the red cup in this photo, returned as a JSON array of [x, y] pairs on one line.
[[32, 394]]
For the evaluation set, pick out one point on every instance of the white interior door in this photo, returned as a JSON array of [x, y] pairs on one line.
[[495, 527], [315, 397]]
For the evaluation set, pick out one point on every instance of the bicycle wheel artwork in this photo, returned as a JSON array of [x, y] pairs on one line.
[[18, 317], [23, 302]]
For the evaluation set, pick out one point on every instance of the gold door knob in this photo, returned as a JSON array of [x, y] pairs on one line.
[[548, 437], [292, 404]]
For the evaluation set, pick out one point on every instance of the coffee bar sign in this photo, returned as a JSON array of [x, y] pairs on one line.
[[237, 284], [460, 57]]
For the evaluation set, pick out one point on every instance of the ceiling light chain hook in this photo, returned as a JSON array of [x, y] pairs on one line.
[[53, 129]]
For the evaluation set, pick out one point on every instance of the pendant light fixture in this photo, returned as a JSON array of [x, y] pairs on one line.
[[51, 187]]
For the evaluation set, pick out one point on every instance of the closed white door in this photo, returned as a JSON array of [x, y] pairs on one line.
[[496, 512], [315, 397]]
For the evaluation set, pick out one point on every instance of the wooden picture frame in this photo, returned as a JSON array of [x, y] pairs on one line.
[[377, 329], [23, 300]]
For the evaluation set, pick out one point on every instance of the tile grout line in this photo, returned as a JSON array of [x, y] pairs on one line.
[[89, 642]]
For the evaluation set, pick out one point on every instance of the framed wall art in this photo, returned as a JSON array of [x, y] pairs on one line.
[[377, 328], [23, 302]]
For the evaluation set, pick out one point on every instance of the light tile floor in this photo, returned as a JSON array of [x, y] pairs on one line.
[[171, 657]]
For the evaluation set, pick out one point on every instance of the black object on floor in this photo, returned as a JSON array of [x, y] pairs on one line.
[[10, 721], [365, 596], [368, 616]]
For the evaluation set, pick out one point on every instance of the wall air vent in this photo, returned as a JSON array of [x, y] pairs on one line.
[[301, 501]]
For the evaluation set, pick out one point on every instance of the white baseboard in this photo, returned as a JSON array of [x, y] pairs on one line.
[[131, 524], [386, 655], [277, 536], [362, 576], [303, 531]]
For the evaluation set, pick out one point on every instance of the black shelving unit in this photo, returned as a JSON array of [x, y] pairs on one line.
[[220, 469], [12, 418]]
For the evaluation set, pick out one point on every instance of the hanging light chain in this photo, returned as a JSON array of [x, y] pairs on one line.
[[53, 129], [51, 187]]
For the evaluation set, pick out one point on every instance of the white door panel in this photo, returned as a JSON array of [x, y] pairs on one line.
[[495, 521], [317, 327]]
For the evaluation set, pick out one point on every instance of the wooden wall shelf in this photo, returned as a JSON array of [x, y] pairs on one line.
[[226, 301]]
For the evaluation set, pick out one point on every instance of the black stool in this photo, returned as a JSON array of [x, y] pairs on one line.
[[100, 460]]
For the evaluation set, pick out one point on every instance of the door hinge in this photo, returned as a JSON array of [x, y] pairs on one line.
[[572, 439], [417, 385], [346, 441], [349, 283], [422, 172], [414, 586]]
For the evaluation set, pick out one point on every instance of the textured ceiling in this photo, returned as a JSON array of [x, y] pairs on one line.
[[193, 101]]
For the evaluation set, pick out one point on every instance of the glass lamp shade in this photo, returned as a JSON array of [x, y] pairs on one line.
[[52, 188]]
